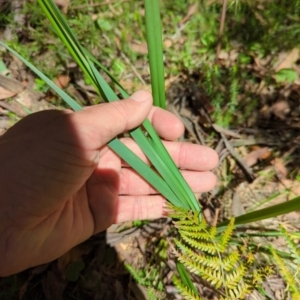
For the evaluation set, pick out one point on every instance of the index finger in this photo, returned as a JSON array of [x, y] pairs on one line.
[[185, 155], [167, 125]]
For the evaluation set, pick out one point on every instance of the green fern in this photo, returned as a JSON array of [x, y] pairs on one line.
[[294, 250], [289, 270], [210, 254], [184, 291]]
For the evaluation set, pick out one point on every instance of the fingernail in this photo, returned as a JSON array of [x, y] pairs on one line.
[[141, 96]]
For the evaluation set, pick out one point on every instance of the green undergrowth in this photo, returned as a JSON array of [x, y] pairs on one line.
[[230, 261], [252, 29]]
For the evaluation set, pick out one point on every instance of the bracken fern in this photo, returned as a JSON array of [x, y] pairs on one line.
[[211, 254]]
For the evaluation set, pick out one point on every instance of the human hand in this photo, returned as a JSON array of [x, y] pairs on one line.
[[60, 183]]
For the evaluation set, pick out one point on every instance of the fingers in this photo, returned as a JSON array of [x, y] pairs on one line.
[[92, 128], [131, 208], [132, 184], [185, 155], [167, 125]]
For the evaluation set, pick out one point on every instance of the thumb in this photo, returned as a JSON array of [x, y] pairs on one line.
[[97, 125]]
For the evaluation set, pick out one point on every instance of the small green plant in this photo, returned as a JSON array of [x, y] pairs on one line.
[[233, 264], [289, 269], [211, 254], [41, 85]]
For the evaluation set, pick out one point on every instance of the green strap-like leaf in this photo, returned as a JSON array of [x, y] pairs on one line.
[[266, 213], [152, 146], [155, 51], [185, 278], [124, 152]]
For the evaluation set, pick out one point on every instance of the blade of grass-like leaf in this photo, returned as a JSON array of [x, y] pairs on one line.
[[72, 103], [155, 51], [163, 162], [67, 36], [266, 213], [175, 182], [192, 202], [113, 79], [185, 278], [161, 159], [273, 233], [144, 170], [125, 153], [156, 143]]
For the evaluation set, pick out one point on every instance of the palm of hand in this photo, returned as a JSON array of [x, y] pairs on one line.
[[67, 185]]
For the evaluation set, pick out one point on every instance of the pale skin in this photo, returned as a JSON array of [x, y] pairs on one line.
[[60, 183]]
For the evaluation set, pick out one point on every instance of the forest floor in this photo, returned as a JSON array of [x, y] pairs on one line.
[[236, 90]]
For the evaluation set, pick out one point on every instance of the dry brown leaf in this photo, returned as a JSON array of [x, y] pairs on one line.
[[289, 60], [129, 85], [280, 167], [169, 81], [64, 4], [62, 81], [223, 55], [281, 109], [11, 84], [33, 100], [5, 94], [140, 48], [252, 158], [14, 107]]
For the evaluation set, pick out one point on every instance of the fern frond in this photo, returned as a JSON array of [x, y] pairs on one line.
[[240, 292], [226, 235], [214, 277], [203, 246], [177, 213], [285, 272], [230, 261], [189, 226], [207, 252], [189, 221], [198, 235], [295, 251], [233, 278], [136, 274], [209, 261], [185, 291]]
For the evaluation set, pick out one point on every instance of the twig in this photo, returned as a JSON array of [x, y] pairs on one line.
[[199, 132], [133, 68], [187, 126], [216, 217], [226, 131], [219, 146], [223, 17], [248, 172], [253, 141]]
